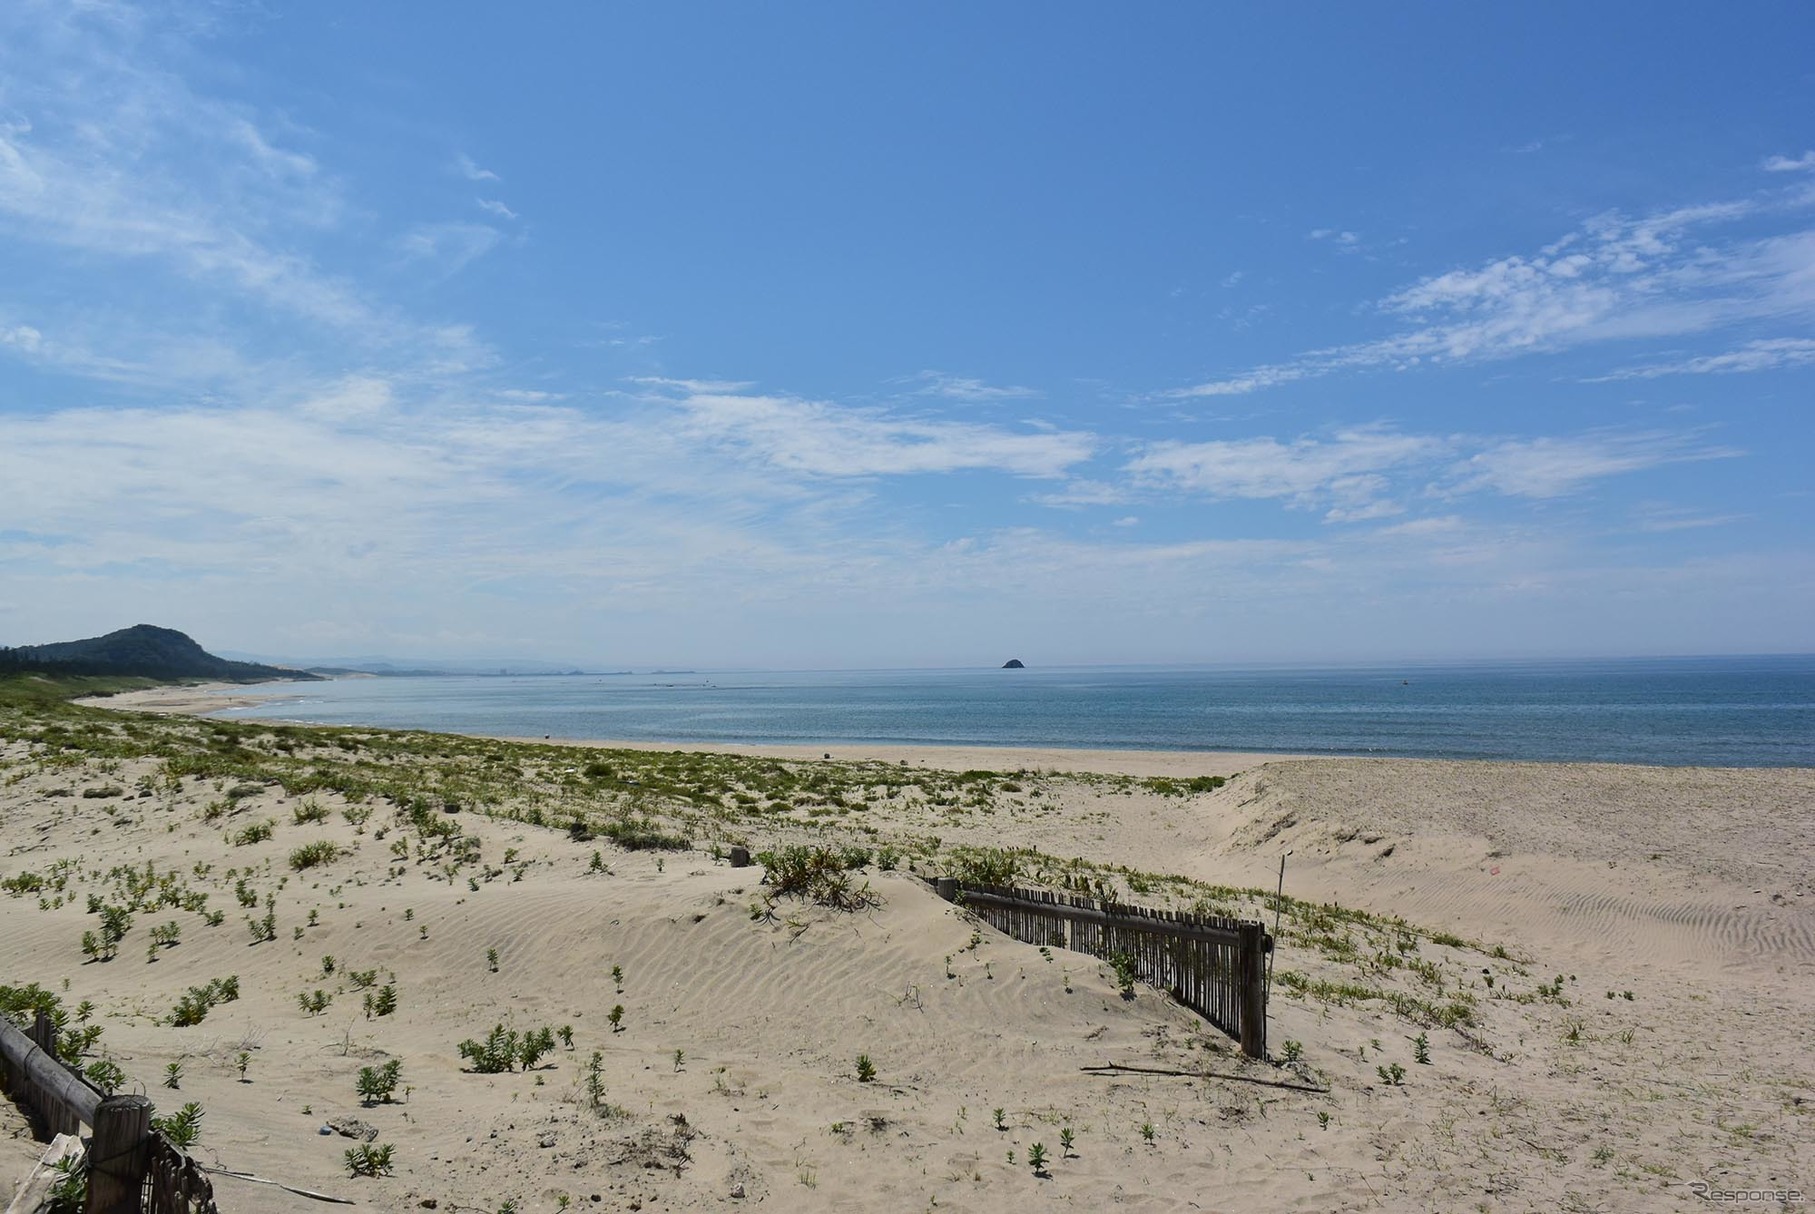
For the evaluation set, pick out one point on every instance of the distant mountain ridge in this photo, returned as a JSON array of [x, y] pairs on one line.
[[142, 651]]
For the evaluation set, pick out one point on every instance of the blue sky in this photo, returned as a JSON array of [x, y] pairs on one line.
[[823, 335]]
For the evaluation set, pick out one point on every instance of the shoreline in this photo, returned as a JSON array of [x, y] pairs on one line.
[[207, 700], [203, 700]]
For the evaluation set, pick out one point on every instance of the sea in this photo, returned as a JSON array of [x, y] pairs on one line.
[[1714, 711]]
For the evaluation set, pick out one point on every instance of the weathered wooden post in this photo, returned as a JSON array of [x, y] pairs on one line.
[[947, 888], [740, 856], [1251, 977], [120, 1155], [44, 1033]]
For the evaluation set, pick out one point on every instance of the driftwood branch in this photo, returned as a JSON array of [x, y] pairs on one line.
[[1114, 1068], [339, 1201]]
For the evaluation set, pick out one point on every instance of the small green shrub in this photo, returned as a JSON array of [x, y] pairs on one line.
[[309, 811], [376, 1083], [368, 1159], [183, 1127], [195, 1004], [309, 855], [866, 1070], [504, 1048], [1123, 965], [256, 832]]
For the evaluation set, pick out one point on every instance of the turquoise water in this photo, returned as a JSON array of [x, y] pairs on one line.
[[1678, 711]]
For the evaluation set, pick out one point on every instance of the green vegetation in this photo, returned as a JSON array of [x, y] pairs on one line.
[[369, 1159], [377, 1083], [311, 854], [505, 1048], [819, 874], [198, 1001], [182, 1128]]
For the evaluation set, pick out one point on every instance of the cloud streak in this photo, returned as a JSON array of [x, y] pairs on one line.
[[1615, 280]]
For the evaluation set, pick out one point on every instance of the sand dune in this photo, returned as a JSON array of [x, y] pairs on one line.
[[1581, 1099]]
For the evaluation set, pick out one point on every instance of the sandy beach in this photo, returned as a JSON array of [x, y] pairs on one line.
[[1633, 950]]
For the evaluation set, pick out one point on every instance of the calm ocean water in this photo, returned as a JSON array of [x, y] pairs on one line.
[[1716, 711]]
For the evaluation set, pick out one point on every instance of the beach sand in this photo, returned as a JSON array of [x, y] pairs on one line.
[[1674, 907]]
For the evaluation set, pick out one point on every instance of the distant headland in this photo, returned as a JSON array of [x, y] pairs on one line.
[[143, 651]]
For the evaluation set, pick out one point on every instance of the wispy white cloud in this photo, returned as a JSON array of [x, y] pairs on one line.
[[450, 247], [107, 154], [1080, 493], [1370, 473], [961, 387], [469, 169], [1616, 279], [823, 439], [1790, 164], [492, 206], [1549, 467], [1767, 354], [1660, 518], [1345, 467], [1251, 381]]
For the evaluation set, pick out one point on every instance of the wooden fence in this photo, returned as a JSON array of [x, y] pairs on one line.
[[132, 1169], [1214, 966]]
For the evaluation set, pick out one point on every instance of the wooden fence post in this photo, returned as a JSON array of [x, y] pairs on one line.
[[740, 856], [947, 888], [119, 1156], [1251, 968], [44, 1033]]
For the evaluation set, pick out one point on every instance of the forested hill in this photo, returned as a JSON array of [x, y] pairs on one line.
[[142, 651]]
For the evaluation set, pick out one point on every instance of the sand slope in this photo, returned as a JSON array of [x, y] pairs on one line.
[[1577, 1101]]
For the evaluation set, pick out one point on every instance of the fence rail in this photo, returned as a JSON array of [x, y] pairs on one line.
[[132, 1168], [1212, 965]]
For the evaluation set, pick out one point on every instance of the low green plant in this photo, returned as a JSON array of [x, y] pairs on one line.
[[1001, 1119], [255, 832], [616, 1017], [173, 1075], [311, 855], [183, 1127], [315, 1002], [1036, 1158], [1066, 1140], [376, 1083], [1123, 965], [69, 1192], [196, 1002], [1147, 1131], [309, 811], [369, 1159], [866, 1070], [1292, 1051], [265, 928], [1421, 1049], [381, 1002], [105, 1074], [505, 1048], [820, 875], [1393, 1076]]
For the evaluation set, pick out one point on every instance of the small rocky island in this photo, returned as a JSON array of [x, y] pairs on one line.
[[1014, 664]]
